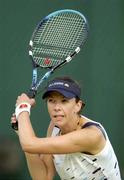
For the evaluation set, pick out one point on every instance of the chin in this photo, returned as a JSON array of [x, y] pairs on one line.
[[59, 124]]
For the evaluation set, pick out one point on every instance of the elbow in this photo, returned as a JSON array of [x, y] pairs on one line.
[[28, 146]]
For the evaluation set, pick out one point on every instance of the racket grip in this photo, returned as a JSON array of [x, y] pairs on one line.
[[31, 93], [15, 126]]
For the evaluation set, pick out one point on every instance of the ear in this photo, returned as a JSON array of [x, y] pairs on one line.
[[78, 106]]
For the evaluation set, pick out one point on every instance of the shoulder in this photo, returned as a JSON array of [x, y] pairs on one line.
[[95, 136]]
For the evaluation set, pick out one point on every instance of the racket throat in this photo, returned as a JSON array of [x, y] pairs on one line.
[[45, 77]]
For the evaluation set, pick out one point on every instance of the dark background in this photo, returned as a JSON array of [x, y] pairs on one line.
[[99, 68]]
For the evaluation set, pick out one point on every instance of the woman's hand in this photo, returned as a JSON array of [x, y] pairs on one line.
[[24, 98], [14, 120]]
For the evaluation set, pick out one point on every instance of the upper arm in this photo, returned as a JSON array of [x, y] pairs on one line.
[[88, 139], [48, 158]]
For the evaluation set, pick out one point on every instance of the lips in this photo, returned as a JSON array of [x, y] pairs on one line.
[[56, 116]]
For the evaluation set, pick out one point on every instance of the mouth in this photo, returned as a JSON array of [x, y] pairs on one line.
[[58, 119], [58, 116]]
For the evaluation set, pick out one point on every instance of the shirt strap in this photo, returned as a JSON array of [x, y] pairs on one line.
[[94, 124]]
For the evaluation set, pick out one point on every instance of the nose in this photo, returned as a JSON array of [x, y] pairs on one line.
[[57, 106]]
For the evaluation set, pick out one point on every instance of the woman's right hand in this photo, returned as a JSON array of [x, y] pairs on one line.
[[14, 120]]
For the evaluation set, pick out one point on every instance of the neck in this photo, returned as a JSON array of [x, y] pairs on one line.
[[74, 125]]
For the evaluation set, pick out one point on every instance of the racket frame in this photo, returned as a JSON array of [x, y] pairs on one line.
[[35, 82]]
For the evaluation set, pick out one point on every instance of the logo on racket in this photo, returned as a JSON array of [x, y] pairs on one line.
[[47, 61]]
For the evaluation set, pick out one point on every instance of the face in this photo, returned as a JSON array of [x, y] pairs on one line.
[[62, 111]]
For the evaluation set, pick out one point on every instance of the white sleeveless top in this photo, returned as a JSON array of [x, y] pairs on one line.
[[81, 166]]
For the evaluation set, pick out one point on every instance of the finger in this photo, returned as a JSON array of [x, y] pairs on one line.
[[13, 121], [13, 118], [13, 115]]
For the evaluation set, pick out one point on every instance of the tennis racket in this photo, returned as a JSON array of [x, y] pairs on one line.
[[55, 41]]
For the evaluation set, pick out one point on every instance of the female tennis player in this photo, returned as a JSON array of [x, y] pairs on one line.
[[75, 147]]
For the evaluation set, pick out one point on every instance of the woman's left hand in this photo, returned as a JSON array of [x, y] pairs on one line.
[[24, 98]]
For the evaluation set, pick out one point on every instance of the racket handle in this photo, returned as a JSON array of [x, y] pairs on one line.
[[15, 126], [31, 93]]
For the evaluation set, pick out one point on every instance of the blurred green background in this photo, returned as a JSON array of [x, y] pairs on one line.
[[99, 68]]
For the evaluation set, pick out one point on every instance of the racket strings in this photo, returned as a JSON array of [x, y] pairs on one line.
[[63, 37], [61, 30], [57, 38], [50, 57], [46, 62], [53, 52]]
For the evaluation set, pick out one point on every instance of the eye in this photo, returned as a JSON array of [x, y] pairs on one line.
[[50, 100], [64, 100]]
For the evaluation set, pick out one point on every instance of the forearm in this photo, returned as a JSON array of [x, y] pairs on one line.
[[25, 130], [36, 167]]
